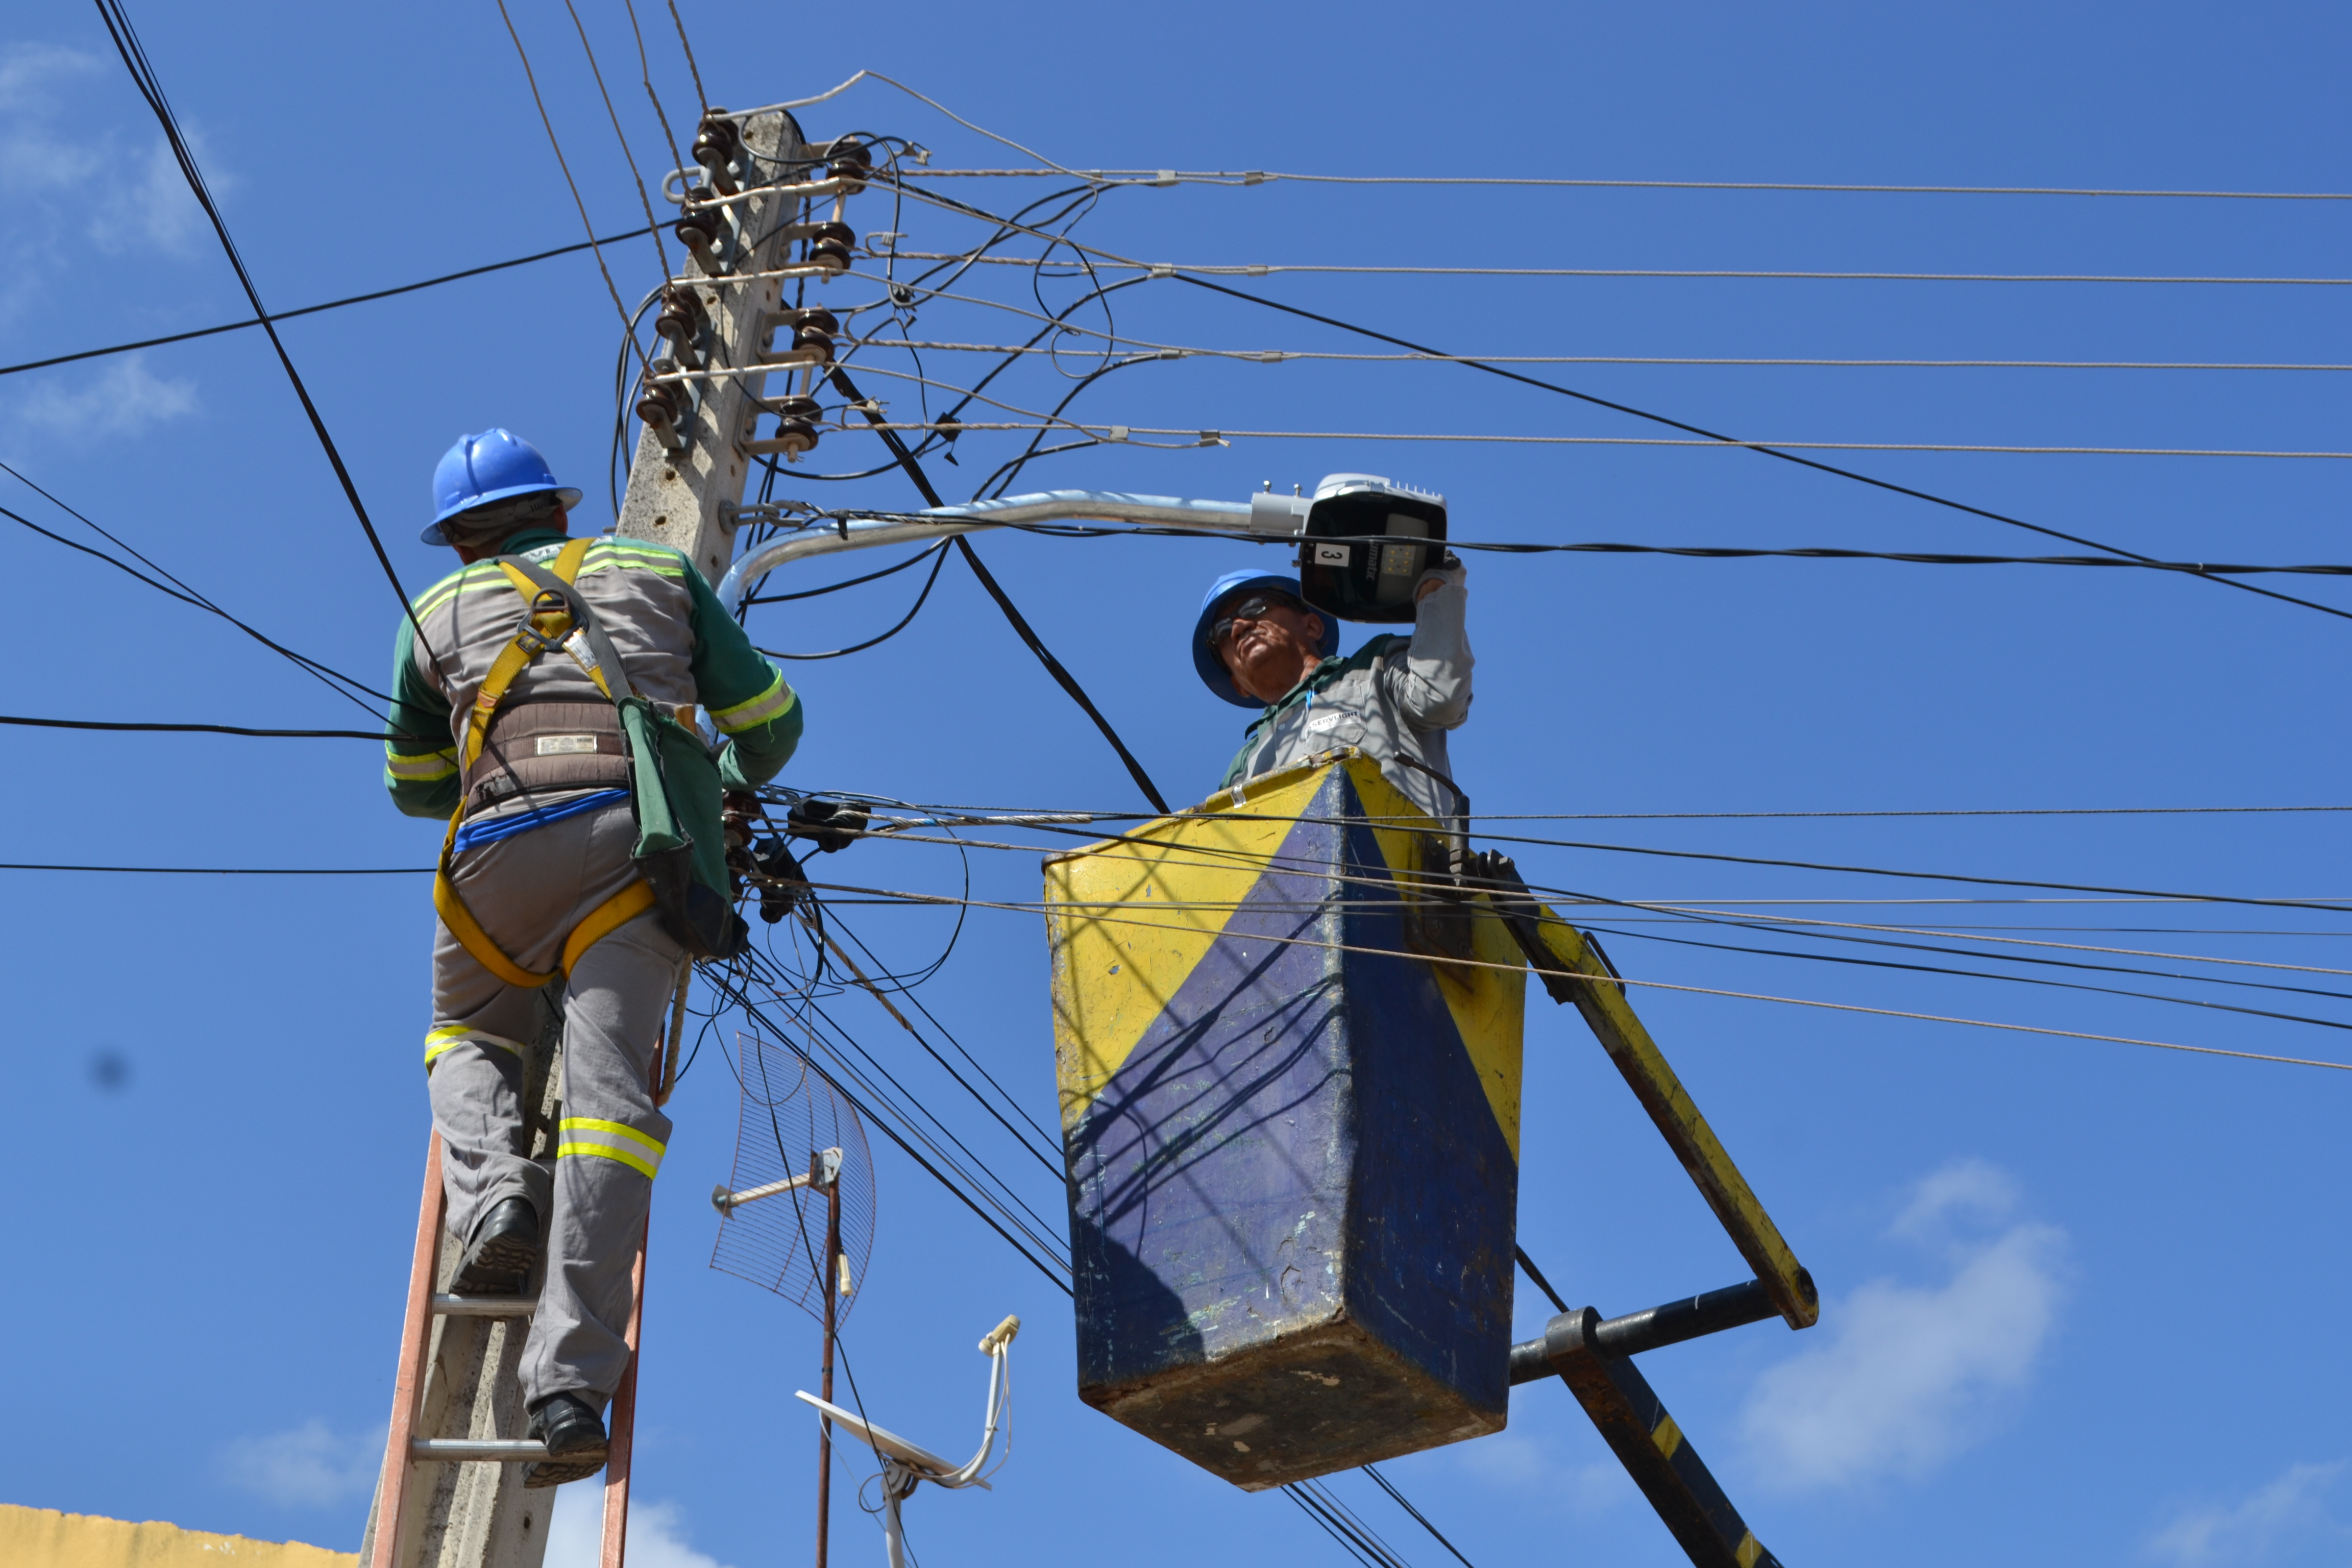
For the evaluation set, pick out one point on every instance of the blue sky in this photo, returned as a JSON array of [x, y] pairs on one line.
[[2068, 1284]]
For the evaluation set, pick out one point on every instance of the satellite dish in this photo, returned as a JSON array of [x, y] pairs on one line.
[[906, 1467], [796, 1138]]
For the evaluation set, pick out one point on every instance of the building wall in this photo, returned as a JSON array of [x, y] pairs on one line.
[[44, 1538]]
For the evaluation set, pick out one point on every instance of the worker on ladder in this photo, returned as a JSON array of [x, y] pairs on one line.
[[547, 711], [1258, 644]]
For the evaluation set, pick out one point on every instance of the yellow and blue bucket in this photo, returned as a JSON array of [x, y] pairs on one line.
[[1288, 1054]]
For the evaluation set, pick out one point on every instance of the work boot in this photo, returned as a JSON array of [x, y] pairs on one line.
[[574, 1436], [505, 1246]]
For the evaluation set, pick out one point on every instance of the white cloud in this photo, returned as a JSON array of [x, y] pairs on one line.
[[310, 1466], [123, 399], [656, 1531], [1911, 1375], [84, 173], [2290, 1508], [1528, 1467]]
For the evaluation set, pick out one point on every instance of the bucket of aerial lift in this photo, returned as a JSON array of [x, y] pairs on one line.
[[1365, 543], [1287, 1048]]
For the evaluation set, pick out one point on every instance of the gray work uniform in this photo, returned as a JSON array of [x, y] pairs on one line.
[[546, 839], [529, 891], [1394, 699]]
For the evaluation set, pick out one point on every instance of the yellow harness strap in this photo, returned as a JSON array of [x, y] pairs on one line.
[[548, 627]]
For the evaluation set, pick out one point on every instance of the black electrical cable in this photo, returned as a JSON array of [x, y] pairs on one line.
[[230, 870], [1362, 1542], [1045, 1138], [721, 981], [1809, 934], [939, 554], [327, 305], [1299, 1500], [1322, 1488], [1979, 974], [1040, 1238], [1527, 1267], [1084, 381], [142, 77], [1917, 876], [914, 559], [377, 735], [197, 601], [1062, 677], [1713, 436], [1422, 1519], [1697, 551], [1033, 1150], [866, 1107]]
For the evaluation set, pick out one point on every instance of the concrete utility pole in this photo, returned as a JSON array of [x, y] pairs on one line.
[[685, 482], [694, 453]]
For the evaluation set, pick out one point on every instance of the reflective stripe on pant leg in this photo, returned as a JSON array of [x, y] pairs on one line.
[[437, 1041], [584, 1135], [611, 1142]]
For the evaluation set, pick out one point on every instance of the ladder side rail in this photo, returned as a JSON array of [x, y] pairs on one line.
[[391, 1520], [621, 1441]]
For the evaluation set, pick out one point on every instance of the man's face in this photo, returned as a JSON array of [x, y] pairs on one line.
[[1270, 644]]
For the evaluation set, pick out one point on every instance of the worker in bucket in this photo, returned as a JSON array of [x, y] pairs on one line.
[[543, 703], [1257, 644]]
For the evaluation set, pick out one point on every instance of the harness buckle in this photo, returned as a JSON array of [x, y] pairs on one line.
[[535, 642]]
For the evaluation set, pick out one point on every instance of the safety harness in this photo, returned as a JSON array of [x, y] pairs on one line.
[[556, 619]]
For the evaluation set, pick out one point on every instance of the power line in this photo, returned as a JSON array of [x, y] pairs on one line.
[[1717, 436], [1280, 356], [531, 78], [1626, 408], [142, 77], [645, 199], [1020, 625], [327, 305], [1652, 984], [229, 871], [1199, 435], [377, 735], [1271, 269], [939, 554], [326, 674], [1698, 552], [1267, 176], [1382, 1482]]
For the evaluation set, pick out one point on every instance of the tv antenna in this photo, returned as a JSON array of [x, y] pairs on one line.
[[797, 1215]]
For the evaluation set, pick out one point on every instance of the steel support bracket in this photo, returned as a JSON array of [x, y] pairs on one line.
[[1634, 1423]]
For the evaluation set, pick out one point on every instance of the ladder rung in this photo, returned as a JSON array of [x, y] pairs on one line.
[[483, 1306], [505, 1450]]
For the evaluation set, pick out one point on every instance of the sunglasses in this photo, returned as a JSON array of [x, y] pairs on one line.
[[1252, 608]]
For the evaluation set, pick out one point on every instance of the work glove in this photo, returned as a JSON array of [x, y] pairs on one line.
[[783, 883], [830, 825], [1448, 571]]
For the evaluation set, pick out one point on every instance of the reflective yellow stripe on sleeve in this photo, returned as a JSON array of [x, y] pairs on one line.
[[421, 769], [770, 704], [610, 1141]]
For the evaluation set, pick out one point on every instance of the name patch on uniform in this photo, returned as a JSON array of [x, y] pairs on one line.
[[1321, 722], [566, 745]]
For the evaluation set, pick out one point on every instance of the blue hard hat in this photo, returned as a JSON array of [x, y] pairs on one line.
[[497, 464], [1213, 674]]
